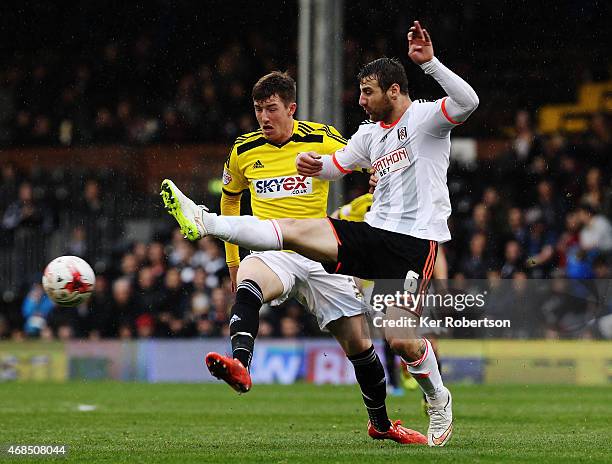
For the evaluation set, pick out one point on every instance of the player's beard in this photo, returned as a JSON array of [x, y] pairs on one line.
[[384, 112]]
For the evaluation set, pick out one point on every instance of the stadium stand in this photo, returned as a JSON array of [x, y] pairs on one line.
[[543, 212]]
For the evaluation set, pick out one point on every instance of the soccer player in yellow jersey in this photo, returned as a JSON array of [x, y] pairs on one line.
[[264, 163]]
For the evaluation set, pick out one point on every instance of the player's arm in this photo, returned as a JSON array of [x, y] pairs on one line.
[[230, 206], [462, 99], [336, 165], [233, 185]]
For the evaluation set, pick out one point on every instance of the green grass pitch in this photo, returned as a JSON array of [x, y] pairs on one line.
[[299, 424]]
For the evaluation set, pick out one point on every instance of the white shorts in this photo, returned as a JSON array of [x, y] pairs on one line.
[[327, 296]]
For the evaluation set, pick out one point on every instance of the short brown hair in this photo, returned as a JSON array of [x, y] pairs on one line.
[[387, 71], [277, 82]]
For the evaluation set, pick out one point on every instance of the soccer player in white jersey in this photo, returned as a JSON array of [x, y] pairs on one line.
[[407, 143]]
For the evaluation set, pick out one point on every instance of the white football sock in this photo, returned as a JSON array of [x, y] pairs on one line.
[[246, 231], [425, 371]]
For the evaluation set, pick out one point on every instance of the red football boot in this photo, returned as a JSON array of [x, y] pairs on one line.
[[229, 370], [397, 432]]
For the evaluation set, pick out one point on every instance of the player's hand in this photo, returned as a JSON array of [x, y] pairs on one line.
[[420, 48], [233, 273], [309, 164], [373, 182]]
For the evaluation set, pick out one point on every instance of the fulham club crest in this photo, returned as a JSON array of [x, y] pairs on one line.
[[402, 133]]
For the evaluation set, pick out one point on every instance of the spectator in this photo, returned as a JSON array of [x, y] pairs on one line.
[[517, 230], [129, 266], [147, 295], [540, 248], [36, 308], [547, 208], [526, 144], [145, 326], [596, 232], [100, 317], [593, 195], [122, 308], [97, 218], [156, 258], [475, 265], [569, 238], [27, 220], [174, 299], [206, 328], [513, 260], [289, 328], [77, 244]]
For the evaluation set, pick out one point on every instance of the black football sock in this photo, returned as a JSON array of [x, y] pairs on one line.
[[371, 377], [244, 321]]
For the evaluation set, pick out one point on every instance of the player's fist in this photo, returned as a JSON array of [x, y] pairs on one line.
[[309, 164], [373, 182], [420, 48]]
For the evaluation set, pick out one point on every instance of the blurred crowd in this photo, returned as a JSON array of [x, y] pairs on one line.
[[542, 208], [175, 290], [118, 98], [163, 289], [169, 74], [543, 213], [174, 76]]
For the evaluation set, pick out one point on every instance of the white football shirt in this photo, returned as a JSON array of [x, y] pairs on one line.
[[411, 158]]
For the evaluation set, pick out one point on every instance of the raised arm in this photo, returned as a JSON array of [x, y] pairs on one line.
[[462, 99]]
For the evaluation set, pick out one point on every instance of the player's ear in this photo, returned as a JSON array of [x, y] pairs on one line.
[[292, 108], [394, 91]]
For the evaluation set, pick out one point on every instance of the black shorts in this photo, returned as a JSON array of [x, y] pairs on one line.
[[396, 262]]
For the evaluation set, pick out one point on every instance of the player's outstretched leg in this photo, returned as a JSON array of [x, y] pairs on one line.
[[196, 222]]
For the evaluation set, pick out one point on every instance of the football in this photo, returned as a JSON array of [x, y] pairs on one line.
[[68, 280]]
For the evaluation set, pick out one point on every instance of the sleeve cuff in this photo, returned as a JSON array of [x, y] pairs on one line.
[[430, 66], [340, 168]]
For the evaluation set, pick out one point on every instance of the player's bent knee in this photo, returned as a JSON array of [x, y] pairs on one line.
[[256, 270]]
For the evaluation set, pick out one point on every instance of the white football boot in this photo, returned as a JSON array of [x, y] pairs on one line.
[[440, 419]]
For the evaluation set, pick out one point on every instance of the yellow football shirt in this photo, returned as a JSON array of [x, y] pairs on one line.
[[268, 171]]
